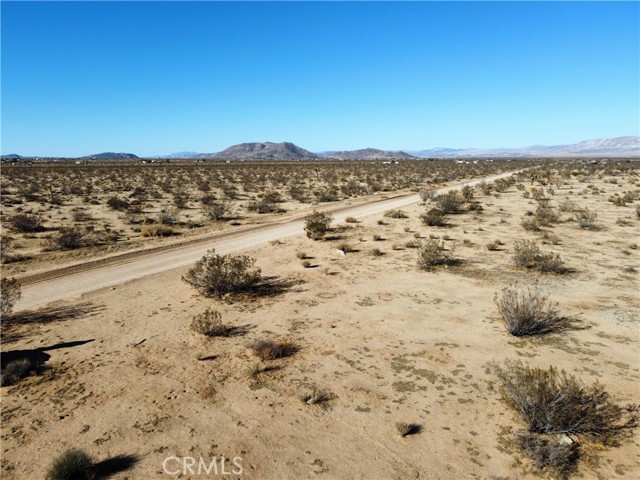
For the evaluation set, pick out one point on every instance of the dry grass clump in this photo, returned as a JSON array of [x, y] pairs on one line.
[[306, 264], [553, 402], [255, 369], [395, 214], [351, 220], [527, 254], [376, 252], [10, 293], [157, 231], [209, 323], [405, 429], [301, 255], [272, 349], [528, 312], [345, 247], [215, 275], [312, 395], [495, 245], [432, 253], [74, 464]]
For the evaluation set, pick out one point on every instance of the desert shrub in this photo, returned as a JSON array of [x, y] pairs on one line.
[[432, 253], [14, 371], [566, 205], [467, 193], [157, 231], [209, 323], [81, 216], [306, 264], [68, 239], [316, 224], [427, 194], [168, 216], [351, 220], [587, 219], [272, 349], [434, 217], [530, 225], [404, 429], [450, 202], [638, 211], [554, 402], [554, 455], [376, 252], [215, 275], [217, 210], [301, 255], [9, 294], [395, 214], [73, 464], [545, 214], [529, 312], [25, 223], [528, 255], [117, 203]]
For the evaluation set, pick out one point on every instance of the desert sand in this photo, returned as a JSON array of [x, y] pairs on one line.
[[387, 341]]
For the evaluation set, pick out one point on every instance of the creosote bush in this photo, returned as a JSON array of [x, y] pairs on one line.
[[317, 224], [527, 254], [450, 202], [10, 293], [272, 349], [587, 219], [209, 323], [73, 464], [434, 217], [25, 223], [432, 253], [553, 402], [528, 312], [215, 275], [217, 210]]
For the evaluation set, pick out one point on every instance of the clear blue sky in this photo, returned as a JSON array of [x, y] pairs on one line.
[[154, 78]]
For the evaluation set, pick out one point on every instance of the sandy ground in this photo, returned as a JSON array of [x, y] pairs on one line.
[[390, 343]]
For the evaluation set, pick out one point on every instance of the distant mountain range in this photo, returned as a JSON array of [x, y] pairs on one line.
[[601, 147], [620, 147], [365, 154]]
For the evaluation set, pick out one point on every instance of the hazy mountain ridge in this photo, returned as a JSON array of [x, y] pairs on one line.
[[628, 146], [365, 154]]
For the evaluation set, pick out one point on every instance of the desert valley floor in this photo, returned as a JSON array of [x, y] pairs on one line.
[[385, 341]]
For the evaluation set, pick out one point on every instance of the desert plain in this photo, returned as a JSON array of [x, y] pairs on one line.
[[120, 371]]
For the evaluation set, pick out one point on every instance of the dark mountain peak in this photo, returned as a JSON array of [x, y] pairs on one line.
[[265, 150]]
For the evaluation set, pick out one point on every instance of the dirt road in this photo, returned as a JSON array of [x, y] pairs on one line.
[[76, 284]]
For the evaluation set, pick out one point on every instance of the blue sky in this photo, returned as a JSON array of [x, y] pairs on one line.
[[158, 77]]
